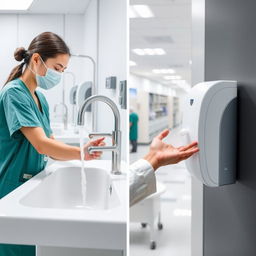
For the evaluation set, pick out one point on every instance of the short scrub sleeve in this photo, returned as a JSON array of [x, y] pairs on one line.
[[45, 106], [131, 119], [18, 111]]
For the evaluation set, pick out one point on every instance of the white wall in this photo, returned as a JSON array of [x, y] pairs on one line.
[[112, 61], [198, 73], [89, 47]]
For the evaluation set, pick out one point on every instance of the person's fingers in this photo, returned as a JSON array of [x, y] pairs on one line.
[[163, 134], [188, 152], [97, 141], [186, 147], [97, 154], [102, 144], [192, 150], [188, 155], [184, 158], [94, 156]]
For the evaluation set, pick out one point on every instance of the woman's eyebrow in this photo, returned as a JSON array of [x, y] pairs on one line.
[[61, 65]]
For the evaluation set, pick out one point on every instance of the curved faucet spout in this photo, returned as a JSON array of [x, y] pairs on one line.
[[108, 101], [116, 134]]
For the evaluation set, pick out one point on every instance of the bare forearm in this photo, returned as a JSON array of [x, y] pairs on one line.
[[58, 150], [152, 159]]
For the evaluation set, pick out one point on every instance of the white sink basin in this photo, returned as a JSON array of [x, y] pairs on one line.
[[47, 210], [63, 189]]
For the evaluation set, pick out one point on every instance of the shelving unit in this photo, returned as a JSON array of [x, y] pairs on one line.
[[174, 116], [156, 113]]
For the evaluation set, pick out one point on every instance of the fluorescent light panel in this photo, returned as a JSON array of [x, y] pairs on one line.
[[160, 51], [172, 77], [139, 51], [163, 71], [149, 51], [140, 11], [16, 5]]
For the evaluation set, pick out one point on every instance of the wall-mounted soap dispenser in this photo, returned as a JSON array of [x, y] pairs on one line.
[[123, 94], [210, 117], [84, 91]]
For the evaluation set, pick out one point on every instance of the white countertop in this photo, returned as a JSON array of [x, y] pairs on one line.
[[65, 227]]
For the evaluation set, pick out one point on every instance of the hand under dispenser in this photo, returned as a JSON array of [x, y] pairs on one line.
[[210, 117]]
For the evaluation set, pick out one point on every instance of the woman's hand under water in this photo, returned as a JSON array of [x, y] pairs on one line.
[[161, 153], [93, 143]]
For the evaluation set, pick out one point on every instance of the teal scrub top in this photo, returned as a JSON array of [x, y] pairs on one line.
[[19, 160], [134, 127]]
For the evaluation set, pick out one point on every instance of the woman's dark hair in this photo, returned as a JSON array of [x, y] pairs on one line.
[[47, 45]]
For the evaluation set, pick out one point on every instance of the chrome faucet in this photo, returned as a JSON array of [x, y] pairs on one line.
[[64, 115], [115, 135]]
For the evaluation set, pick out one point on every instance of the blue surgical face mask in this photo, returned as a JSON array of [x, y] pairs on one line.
[[49, 80]]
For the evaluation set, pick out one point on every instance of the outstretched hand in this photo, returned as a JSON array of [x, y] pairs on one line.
[[161, 153]]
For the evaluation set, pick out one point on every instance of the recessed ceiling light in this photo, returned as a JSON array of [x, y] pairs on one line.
[[160, 51], [139, 51], [172, 77], [163, 71], [15, 4], [149, 51], [140, 11], [132, 63]]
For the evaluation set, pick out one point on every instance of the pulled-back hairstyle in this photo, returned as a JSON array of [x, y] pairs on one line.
[[47, 45]]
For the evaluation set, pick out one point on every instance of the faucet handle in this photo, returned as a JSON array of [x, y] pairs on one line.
[[91, 135], [102, 148]]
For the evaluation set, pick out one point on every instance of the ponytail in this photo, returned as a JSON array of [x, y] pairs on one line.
[[16, 72], [19, 55]]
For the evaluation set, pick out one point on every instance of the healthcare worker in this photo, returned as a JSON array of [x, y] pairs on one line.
[[26, 139], [142, 172], [134, 119]]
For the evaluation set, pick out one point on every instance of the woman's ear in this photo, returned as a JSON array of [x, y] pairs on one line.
[[35, 58]]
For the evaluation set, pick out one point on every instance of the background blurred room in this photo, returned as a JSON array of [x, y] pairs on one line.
[[160, 77]]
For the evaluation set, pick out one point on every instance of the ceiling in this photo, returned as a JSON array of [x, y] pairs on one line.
[[56, 6], [170, 29]]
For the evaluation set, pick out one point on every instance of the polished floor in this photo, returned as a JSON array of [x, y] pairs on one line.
[[174, 239]]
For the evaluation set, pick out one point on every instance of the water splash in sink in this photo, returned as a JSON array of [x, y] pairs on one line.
[[62, 190], [83, 174]]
